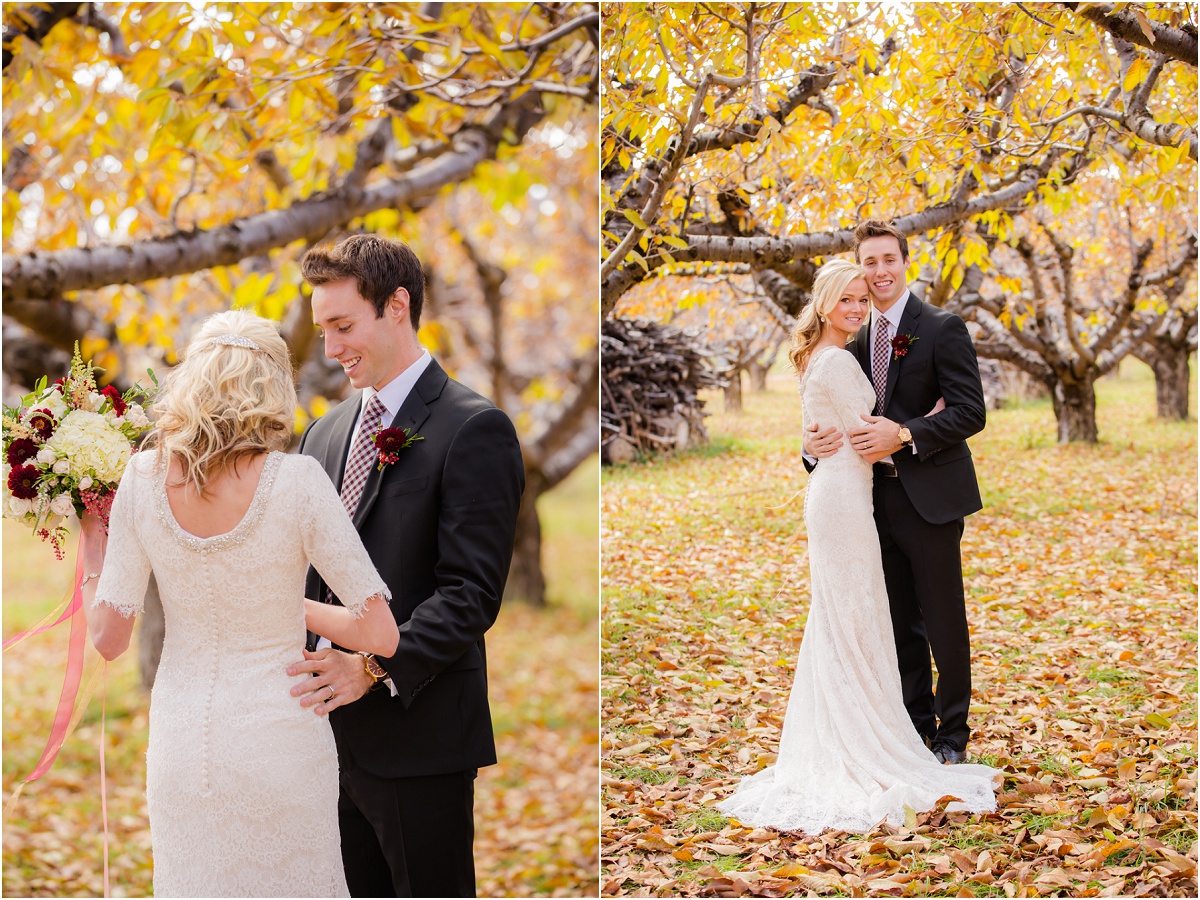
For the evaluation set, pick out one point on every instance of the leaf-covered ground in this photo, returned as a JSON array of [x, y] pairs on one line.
[[1080, 575], [535, 812]]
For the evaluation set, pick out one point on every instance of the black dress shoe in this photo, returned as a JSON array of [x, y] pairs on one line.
[[947, 755]]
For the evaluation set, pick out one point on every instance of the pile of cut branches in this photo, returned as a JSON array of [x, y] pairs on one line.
[[652, 377]]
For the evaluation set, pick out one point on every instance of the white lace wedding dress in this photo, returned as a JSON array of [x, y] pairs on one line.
[[241, 781], [849, 756]]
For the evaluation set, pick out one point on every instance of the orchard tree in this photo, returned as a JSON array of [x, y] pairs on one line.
[[1071, 310], [211, 146], [761, 133], [1167, 348]]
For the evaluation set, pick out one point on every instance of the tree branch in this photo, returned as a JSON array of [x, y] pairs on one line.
[[47, 274], [1177, 43], [33, 22], [650, 211]]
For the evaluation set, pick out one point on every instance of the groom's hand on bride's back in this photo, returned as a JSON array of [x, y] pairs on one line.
[[338, 678], [821, 443]]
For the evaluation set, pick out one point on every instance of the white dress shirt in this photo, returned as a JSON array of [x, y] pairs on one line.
[[392, 396]]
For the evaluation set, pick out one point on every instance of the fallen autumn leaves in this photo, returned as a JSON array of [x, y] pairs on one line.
[[1081, 595]]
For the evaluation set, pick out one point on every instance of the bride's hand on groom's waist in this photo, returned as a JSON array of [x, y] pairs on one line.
[[338, 679], [823, 443]]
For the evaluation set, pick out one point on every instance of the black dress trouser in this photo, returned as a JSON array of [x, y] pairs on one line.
[[922, 566], [407, 837]]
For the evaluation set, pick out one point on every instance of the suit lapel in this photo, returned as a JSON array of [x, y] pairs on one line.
[[411, 416], [908, 325], [338, 448], [862, 349]]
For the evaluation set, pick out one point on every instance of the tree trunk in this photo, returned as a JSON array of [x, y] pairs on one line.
[[733, 392], [758, 375], [1075, 409], [1172, 377], [526, 581], [153, 630]]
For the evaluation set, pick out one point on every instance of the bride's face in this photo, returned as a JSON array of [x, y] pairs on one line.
[[851, 311]]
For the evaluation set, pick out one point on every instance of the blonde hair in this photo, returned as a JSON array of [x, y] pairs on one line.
[[233, 395], [828, 287]]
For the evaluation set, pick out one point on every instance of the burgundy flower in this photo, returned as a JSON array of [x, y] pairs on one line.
[[42, 422], [902, 343], [389, 442], [118, 402], [20, 450], [22, 481]]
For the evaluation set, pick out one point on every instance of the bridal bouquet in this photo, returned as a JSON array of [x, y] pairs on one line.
[[65, 449]]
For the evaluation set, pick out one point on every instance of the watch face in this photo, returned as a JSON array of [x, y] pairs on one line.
[[375, 668]]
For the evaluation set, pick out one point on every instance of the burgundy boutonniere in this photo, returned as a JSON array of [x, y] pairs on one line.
[[901, 344], [390, 441]]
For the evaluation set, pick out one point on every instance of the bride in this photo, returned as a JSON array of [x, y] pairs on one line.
[[849, 756], [241, 783]]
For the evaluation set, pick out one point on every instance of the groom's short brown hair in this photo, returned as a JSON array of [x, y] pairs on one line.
[[377, 265], [878, 228]]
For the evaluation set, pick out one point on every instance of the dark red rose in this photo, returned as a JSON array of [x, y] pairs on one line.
[[118, 402], [901, 343], [390, 440], [22, 481], [20, 450], [42, 422]]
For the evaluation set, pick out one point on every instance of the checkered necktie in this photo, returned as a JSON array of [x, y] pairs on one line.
[[362, 455], [879, 361]]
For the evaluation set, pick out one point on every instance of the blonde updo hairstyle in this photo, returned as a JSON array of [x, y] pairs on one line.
[[828, 287], [224, 402]]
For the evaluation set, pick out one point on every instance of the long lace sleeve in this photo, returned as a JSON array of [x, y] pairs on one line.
[[332, 545], [126, 571]]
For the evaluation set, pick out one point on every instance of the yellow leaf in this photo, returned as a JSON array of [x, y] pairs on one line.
[[634, 217], [676, 242], [1134, 76]]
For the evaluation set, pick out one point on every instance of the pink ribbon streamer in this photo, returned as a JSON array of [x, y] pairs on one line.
[[103, 779], [67, 608], [70, 689], [66, 716]]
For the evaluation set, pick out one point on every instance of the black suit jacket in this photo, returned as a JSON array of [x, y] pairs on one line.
[[940, 478], [439, 525]]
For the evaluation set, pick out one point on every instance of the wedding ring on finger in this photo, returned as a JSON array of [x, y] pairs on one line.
[[331, 693]]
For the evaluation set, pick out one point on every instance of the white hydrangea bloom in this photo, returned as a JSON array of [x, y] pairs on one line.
[[92, 445]]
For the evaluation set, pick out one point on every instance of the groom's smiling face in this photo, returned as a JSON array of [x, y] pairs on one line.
[[369, 347], [885, 264]]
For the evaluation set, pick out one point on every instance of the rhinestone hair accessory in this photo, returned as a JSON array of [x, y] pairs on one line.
[[234, 340]]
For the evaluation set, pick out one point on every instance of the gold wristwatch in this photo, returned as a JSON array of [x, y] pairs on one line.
[[904, 436], [375, 670]]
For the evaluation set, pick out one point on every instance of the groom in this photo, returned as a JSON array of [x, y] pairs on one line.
[[438, 519], [916, 354]]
